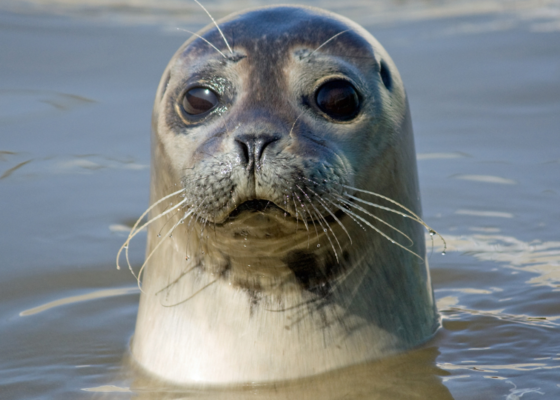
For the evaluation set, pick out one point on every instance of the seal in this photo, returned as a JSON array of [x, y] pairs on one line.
[[284, 237]]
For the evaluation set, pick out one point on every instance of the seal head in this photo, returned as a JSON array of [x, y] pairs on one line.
[[292, 246]]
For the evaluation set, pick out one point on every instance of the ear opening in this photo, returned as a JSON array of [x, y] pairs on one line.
[[386, 76]]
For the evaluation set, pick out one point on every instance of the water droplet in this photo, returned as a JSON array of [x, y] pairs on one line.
[[159, 235], [244, 245], [285, 214], [182, 222], [245, 238], [187, 258], [392, 241], [443, 253], [432, 232], [126, 246], [318, 245], [171, 235], [324, 229]]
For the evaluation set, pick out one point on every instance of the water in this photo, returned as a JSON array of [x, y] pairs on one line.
[[77, 80]]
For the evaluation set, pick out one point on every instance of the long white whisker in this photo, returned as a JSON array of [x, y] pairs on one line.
[[321, 216], [132, 235], [200, 37], [331, 213], [340, 198], [318, 217], [401, 213], [352, 217], [133, 229], [216, 24], [327, 41], [295, 207], [157, 246], [375, 229], [417, 218], [304, 220]]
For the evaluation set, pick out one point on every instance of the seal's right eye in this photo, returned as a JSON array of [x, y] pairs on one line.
[[199, 100]]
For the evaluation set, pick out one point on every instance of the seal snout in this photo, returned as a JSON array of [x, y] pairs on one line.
[[251, 148]]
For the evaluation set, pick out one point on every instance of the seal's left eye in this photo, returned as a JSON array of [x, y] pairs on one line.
[[199, 100], [338, 99]]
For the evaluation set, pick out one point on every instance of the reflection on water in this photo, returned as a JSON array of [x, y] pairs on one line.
[[76, 94], [98, 294], [410, 376], [537, 257]]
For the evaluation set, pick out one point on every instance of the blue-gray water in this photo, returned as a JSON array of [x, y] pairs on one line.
[[77, 80]]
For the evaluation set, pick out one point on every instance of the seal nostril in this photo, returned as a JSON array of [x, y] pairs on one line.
[[261, 143], [244, 151], [252, 147]]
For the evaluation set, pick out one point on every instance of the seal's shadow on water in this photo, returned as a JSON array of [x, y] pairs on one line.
[[413, 375]]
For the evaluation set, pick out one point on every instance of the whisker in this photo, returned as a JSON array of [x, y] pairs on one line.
[[384, 208], [157, 246], [133, 230], [331, 213], [313, 221], [294, 124], [295, 207], [216, 24], [352, 217], [416, 217], [321, 216], [166, 222], [177, 280], [375, 217], [304, 220], [325, 42], [200, 37], [195, 293], [327, 235], [376, 230]]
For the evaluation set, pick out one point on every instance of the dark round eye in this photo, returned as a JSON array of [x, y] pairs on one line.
[[199, 100], [338, 99]]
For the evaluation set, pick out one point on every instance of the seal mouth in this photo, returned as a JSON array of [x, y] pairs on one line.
[[255, 206], [267, 206]]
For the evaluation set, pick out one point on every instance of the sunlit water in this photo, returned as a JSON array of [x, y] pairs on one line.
[[77, 81]]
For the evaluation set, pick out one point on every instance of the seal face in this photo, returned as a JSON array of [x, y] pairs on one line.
[[287, 243]]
